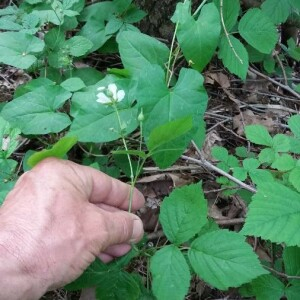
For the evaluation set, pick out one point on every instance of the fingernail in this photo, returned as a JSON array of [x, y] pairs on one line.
[[137, 232]]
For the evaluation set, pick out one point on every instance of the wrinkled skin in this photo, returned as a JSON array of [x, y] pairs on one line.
[[58, 218]]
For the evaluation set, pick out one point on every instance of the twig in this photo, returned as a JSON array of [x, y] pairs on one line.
[[227, 34], [282, 67], [285, 87], [207, 164], [282, 274], [230, 221]]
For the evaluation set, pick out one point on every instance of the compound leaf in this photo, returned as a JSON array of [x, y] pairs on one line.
[[171, 275], [274, 214], [183, 213], [224, 259]]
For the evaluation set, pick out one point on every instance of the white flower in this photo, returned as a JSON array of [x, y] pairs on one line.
[[110, 94]]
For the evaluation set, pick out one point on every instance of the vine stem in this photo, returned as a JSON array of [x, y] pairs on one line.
[[227, 34], [128, 157]]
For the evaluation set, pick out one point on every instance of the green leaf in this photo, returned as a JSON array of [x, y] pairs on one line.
[[200, 36], [292, 292], [8, 139], [79, 45], [234, 56], [7, 169], [223, 259], [258, 176], [165, 133], [59, 150], [274, 214], [5, 188], [219, 153], [17, 49], [258, 134], [257, 29], [167, 142], [55, 38], [277, 10], [183, 213], [294, 145], [267, 287], [230, 10], [266, 155], [283, 163], [89, 76], [37, 112], [281, 143], [118, 285], [291, 258], [294, 124], [73, 84], [294, 178], [141, 154], [251, 164], [295, 3], [138, 51], [187, 98], [171, 275], [240, 173]]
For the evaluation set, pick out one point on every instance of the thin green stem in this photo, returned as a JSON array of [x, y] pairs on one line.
[[199, 8], [128, 157]]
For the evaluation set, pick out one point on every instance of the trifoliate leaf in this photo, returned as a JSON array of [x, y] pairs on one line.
[[171, 275], [274, 214], [223, 259], [183, 213]]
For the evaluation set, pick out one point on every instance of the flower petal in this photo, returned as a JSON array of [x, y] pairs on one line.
[[113, 89], [101, 88], [120, 95], [102, 98]]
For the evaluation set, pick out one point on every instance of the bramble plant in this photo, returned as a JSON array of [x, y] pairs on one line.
[[164, 104]]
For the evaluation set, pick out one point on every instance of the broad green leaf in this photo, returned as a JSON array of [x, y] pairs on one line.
[[118, 285], [281, 143], [89, 76], [230, 10], [291, 258], [182, 12], [73, 84], [224, 259], [7, 169], [277, 10], [266, 155], [55, 38], [183, 213], [234, 56], [274, 214], [199, 38], [187, 98], [59, 150], [17, 49], [283, 163], [258, 134], [165, 133], [37, 112], [251, 164], [294, 145], [5, 188], [78, 45], [259, 175], [8, 139], [168, 141], [294, 124], [232, 161], [294, 178], [292, 292], [257, 29], [267, 287], [94, 30], [171, 275], [219, 153], [269, 64], [295, 3], [99, 127], [138, 51]]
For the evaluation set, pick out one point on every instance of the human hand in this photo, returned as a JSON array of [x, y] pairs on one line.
[[59, 217]]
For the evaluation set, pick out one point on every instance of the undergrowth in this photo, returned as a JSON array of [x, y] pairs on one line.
[[151, 109]]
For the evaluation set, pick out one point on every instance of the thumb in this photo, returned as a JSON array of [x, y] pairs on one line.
[[121, 227]]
